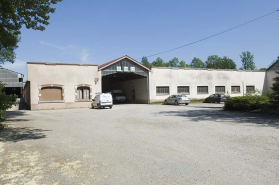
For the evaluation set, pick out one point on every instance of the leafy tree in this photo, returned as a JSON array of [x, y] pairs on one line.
[[228, 63], [34, 14], [197, 63], [263, 69], [173, 62], [144, 61], [247, 61], [241, 68], [182, 64], [275, 87], [6, 101], [159, 63], [214, 62]]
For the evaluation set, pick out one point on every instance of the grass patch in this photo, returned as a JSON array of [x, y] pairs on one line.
[[197, 100], [157, 102]]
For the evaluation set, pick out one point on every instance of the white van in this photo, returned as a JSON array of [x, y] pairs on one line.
[[102, 100], [118, 96]]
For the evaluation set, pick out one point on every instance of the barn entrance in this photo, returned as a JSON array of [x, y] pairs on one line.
[[126, 79]]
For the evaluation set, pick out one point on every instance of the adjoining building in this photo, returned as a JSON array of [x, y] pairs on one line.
[[61, 85], [13, 82]]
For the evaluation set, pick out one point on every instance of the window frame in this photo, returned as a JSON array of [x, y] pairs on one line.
[[219, 92], [233, 92], [202, 92], [162, 93], [250, 91], [83, 86], [185, 91], [41, 87]]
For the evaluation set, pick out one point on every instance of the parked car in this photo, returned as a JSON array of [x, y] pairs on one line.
[[177, 99], [216, 98], [118, 96], [102, 100]]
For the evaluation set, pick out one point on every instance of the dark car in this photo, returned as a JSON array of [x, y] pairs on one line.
[[216, 98]]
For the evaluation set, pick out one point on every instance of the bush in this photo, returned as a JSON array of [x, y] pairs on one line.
[[250, 103]]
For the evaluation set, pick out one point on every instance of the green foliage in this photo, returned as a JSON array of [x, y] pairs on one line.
[[6, 101], [16, 13], [247, 103], [228, 63], [216, 62], [182, 64], [197, 63], [259, 103], [247, 60], [144, 61], [262, 69], [173, 62], [275, 88], [159, 63]]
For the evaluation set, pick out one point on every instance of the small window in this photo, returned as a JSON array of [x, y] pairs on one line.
[[202, 89], [235, 89], [220, 89], [83, 93], [250, 89], [163, 90], [183, 89]]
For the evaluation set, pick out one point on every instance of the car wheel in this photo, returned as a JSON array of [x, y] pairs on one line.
[[165, 102], [176, 103], [110, 107], [98, 106], [186, 103], [92, 107]]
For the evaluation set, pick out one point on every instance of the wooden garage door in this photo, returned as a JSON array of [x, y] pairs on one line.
[[51, 93]]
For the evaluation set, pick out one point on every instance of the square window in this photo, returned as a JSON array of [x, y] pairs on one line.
[[162, 90], [183, 89], [202, 90]]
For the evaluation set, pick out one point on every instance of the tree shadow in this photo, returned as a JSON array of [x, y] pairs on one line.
[[15, 134], [226, 116]]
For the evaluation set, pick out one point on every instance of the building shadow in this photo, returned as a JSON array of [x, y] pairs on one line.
[[226, 116], [15, 134]]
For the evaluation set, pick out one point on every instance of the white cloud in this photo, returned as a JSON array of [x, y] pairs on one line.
[[84, 55], [52, 45]]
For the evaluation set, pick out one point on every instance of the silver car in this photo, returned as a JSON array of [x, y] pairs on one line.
[[177, 99]]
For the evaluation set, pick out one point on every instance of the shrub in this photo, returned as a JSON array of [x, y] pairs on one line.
[[248, 103], [6, 101]]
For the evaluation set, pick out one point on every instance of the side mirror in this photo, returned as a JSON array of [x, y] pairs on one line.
[[93, 99]]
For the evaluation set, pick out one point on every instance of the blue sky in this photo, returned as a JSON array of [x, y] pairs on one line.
[[95, 32]]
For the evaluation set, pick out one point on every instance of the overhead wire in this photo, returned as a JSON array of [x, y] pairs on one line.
[[212, 35]]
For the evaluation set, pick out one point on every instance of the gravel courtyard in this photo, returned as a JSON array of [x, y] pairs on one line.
[[139, 144]]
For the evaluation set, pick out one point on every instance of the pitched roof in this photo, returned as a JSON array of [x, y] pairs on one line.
[[118, 59], [276, 62], [11, 71]]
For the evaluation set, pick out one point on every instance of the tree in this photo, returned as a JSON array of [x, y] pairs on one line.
[[214, 62], [275, 88], [34, 14], [228, 63], [6, 101], [159, 63], [182, 64], [263, 69], [247, 60], [197, 63], [173, 62], [144, 61]]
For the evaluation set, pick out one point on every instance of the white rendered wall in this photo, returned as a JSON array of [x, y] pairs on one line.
[[174, 77], [68, 76]]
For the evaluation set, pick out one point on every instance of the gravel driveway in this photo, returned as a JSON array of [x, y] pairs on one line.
[[139, 144]]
